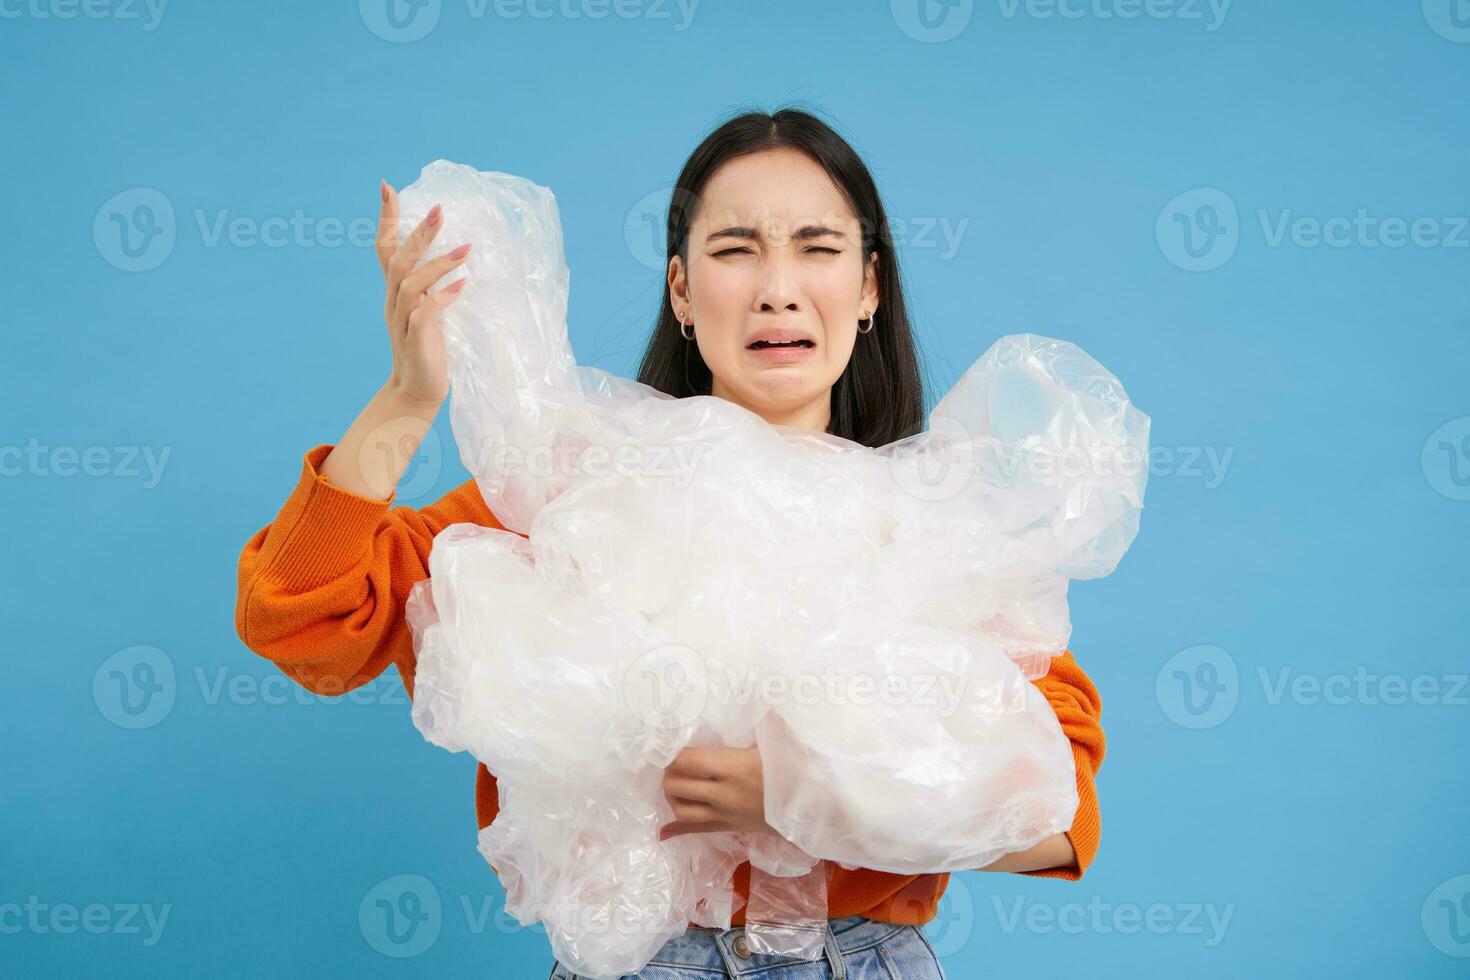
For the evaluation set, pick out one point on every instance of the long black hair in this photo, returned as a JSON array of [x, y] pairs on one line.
[[879, 398]]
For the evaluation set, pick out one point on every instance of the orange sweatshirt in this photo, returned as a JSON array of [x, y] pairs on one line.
[[321, 595]]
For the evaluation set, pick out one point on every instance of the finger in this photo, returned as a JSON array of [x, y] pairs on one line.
[[692, 809], [700, 762], [406, 256], [692, 827], [430, 272], [691, 788], [427, 310], [387, 242]]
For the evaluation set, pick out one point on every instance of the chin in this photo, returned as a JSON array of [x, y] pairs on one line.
[[785, 388]]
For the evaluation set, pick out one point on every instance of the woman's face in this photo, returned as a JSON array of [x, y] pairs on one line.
[[775, 254]]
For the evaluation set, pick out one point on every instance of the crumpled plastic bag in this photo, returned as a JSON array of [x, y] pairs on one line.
[[679, 572]]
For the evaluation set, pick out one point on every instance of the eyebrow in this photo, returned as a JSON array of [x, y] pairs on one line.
[[804, 233]]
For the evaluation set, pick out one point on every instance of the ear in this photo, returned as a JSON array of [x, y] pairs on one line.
[[678, 285], [869, 299]]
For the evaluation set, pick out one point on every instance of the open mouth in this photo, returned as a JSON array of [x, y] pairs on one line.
[[762, 344]]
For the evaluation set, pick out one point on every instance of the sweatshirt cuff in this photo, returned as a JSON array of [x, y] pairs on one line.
[[329, 529], [1086, 830]]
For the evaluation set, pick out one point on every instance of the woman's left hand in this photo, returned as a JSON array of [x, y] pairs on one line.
[[714, 789]]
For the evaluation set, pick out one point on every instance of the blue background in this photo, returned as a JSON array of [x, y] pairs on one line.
[[1329, 382]]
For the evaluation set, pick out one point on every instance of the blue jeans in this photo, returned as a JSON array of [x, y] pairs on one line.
[[856, 949]]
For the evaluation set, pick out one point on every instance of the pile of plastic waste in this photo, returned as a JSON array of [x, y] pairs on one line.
[[679, 572]]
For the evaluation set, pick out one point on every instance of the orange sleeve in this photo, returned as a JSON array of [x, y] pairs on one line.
[[321, 589], [1075, 700]]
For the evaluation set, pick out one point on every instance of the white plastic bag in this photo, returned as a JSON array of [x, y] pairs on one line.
[[694, 575]]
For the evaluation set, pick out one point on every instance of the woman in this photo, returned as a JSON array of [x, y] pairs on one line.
[[779, 260]]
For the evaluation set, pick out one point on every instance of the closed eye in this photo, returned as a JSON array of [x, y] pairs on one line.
[[814, 248]]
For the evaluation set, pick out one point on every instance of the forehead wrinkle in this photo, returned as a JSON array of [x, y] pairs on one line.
[[807, 232]]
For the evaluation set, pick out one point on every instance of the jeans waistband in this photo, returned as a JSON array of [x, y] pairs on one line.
[[726, 950]]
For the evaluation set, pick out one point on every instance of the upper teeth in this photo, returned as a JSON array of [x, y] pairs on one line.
[[780, 343]]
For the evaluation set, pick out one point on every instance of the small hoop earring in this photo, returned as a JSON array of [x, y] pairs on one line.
[[871, 319], [690, 334]]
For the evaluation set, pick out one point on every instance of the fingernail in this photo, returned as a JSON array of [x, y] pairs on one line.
[[456, 286], [460, 252], [434, 215], [383, 189]]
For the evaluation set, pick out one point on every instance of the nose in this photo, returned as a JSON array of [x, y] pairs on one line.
[[777, 290]]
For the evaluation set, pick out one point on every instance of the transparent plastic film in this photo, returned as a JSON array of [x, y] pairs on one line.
[[787, 916], [679, 572]]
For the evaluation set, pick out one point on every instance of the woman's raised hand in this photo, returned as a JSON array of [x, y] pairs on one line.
[[420, 370]]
